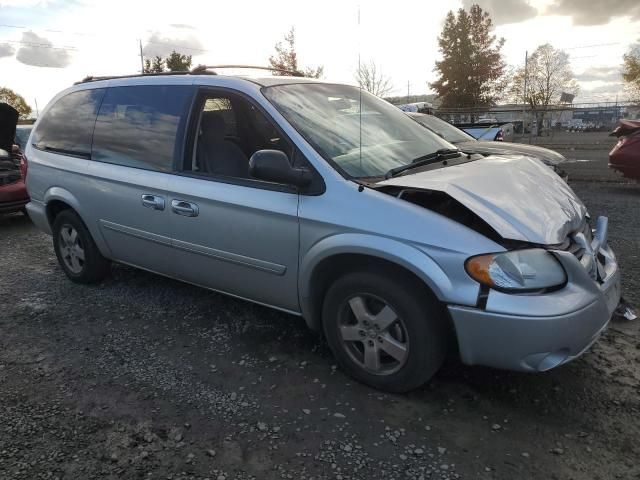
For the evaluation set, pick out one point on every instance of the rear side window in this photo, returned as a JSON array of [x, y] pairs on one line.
[[68, 125], [141, 126]]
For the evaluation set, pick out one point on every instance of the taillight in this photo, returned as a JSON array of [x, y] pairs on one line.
[[499, 136], [24, 167]]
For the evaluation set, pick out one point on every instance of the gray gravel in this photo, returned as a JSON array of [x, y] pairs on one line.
[[145, 377]]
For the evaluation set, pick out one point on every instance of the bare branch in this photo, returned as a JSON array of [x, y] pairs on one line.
[[371, 79]]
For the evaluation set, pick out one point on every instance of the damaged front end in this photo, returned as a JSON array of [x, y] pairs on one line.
[[521, 206]]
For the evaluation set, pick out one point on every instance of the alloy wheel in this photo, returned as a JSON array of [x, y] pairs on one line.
[[373, 334], [71, 249]]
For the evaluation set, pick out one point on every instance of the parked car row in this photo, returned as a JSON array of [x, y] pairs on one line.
[[331, 204], [468, 143]]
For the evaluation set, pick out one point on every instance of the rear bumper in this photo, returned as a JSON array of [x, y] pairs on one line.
[[519, 340], [38, 214], [13, 197], [15, 206]]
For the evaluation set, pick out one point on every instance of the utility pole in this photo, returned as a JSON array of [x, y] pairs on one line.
[[524, 99], [408, 92], [141, 58], [35, 100]]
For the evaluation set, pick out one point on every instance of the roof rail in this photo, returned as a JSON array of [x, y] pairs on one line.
[[205, 68], [198, 70], [134, 75]]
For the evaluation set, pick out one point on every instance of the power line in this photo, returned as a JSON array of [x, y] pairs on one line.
[[19, 27], [40, 45], [178, 46], [591, 46]]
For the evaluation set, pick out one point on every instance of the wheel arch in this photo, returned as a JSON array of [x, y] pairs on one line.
[[58, 199], [336, 255]]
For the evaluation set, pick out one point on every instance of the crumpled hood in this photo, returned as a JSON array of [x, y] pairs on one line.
[[8, 122], [518, 196], [549, 157]]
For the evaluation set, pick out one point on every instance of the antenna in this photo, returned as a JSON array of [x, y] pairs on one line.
[[360, 85]]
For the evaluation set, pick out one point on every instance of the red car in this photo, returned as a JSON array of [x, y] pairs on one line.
[[13, 164], [625, 155]]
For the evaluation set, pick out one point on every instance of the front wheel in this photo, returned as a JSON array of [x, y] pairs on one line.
[[385, 330]]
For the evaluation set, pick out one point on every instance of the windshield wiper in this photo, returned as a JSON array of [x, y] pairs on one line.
[[442, 154]]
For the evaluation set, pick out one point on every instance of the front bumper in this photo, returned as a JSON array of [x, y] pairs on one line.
[[534, 333]]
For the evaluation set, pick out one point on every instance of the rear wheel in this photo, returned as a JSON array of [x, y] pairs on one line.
[[77, 253], [385, 330]]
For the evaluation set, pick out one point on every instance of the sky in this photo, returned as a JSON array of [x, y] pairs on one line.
[[46, 45]]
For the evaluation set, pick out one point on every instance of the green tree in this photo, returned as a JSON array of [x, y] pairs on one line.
[[631, 71], [16, 101], [176, 62], [155, 65], [471, 71], [285, 61], [548, 75]]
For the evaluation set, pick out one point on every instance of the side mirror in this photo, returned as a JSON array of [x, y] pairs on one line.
[[274, 166], [4, 155]]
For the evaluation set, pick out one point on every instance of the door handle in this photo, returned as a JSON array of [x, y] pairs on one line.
[[152, 201], [187, 209]]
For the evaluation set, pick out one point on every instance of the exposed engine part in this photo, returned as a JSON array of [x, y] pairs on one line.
[[443, 204]]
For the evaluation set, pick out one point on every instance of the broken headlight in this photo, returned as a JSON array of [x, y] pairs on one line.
[[518, 270]]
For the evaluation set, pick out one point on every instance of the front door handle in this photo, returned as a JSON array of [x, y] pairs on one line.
[[152, 201], [187, 209]]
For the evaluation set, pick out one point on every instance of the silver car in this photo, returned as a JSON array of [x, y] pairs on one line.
[[331, 204]]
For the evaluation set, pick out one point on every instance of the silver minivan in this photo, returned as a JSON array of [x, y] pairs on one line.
[[326, 202]]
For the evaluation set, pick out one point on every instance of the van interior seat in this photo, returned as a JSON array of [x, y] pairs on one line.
[[215, 154]]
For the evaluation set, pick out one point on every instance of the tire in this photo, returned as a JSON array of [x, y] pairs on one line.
[[77, 253], [419, 329]]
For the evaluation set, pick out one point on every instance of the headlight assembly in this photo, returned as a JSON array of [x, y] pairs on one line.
[[518, 270]]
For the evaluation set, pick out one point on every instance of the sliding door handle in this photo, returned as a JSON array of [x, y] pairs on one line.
[[152, 201], [187, 209]]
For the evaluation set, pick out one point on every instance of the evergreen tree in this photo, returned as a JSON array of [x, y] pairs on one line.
[[472, 68]]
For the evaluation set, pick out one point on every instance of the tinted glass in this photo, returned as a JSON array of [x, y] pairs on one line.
[[362, 134], [138, 126], [68, 125], [22, 135], [444, 129]]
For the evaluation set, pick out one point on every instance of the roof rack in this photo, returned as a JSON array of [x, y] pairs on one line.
[[198, 70], [210, 68]]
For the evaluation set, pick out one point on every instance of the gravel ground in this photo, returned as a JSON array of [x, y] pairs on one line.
[[145, 377]]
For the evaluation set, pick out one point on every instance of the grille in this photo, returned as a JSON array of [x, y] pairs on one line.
[[579, 244]]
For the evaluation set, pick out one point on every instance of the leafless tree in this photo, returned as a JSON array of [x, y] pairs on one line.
[[631, 71], [548, 75], [371, 79]]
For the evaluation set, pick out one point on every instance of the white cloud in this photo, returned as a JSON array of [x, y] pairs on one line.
[[40, 52], [505, 11], [6, 50], [163, 45]]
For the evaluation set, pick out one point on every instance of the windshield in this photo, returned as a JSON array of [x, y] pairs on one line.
[[330, 118], [444, 129], [22, 136]]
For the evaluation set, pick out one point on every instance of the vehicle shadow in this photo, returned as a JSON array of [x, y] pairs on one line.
[[14, 219]]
